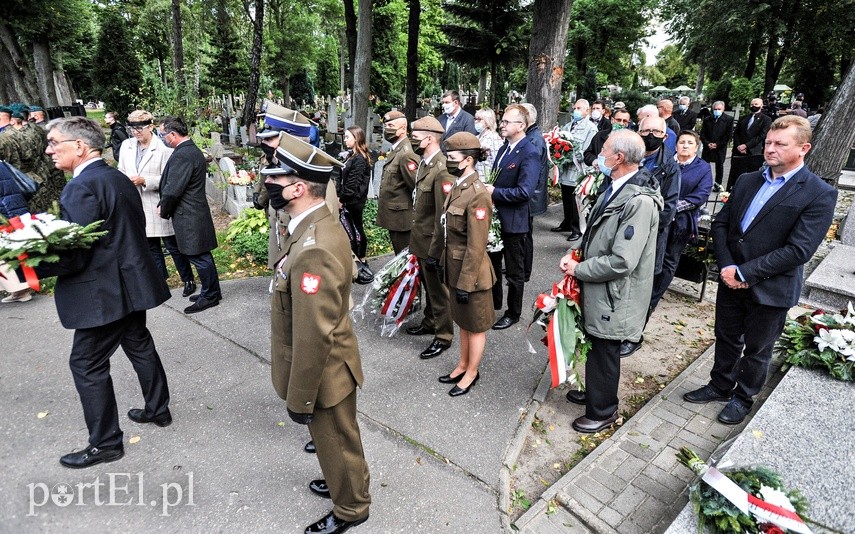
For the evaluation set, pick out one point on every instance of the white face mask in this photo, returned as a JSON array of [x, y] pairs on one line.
[[479, 127], [448, 109], [596, 114]]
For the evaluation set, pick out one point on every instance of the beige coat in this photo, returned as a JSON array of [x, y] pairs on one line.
[[150, 167], [468, 213]]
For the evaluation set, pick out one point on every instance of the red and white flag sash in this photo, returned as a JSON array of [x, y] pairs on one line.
[[402, 293]]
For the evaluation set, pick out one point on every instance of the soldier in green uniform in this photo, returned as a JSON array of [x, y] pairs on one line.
[[315, 361], [427, 241], [35, 162], [395, 205], [469, 272]]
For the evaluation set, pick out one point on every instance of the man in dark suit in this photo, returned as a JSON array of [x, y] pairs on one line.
[[715, 134], [103, 292], [598, 117], [769, 228], [539, 200], [748, 142], [454, 118], [183, 199], [518, 165], [685, 117]]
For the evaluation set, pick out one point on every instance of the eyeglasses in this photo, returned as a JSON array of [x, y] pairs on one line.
[[621, 121], [137, 128], [505, 123], [654, 132], [53, 142]]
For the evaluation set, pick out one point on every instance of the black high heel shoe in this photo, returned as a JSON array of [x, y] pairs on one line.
[[448, 379], [456, 391]]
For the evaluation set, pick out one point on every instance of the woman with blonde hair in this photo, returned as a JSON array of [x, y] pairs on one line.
[[142, 158], [491, 141]]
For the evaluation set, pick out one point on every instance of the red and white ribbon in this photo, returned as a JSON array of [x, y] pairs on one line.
[[402, 293]]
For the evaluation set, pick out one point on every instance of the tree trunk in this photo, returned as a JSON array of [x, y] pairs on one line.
[[350, 34], [285, 85], [494, 84], [482, 86], [43, 69], [834, 135], [248, 115], [362, 66], [17, 69], [342, 63], [753, 50], [412, 91], [702, 67], [178, 52], [551, 21]]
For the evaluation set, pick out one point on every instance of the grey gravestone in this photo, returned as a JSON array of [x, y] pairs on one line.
[[232, 131], [847, 236]]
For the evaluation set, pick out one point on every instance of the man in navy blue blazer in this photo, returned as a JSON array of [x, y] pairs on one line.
[[518, 166], [769, 228], [103, 292], [454, 118]]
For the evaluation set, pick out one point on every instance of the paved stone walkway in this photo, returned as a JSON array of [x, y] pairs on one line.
[[632, 483]]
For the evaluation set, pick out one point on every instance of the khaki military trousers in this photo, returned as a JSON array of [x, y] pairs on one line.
[[339, 445], [437, 312], [400, 240]]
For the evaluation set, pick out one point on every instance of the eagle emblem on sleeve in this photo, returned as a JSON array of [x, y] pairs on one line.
[[310, 283], [480, 213]]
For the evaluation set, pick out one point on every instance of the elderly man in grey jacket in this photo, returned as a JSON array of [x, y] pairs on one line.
[[616, 271]]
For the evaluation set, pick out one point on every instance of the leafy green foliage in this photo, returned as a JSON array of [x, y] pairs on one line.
[[48, 247], [378, 238], [116, 75], [229, 54], [249, 235], [798, 346]]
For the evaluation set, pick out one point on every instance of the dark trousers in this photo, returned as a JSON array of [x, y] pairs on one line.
[[182, 265], [716, 158], [745, 333], [498, 292], [208, 276], [356, 212], [400, 240], [339, 445], [602, 376], [673, 250], [90, 367], [528, 263], [571, 210], [514, 256], [437, 309]]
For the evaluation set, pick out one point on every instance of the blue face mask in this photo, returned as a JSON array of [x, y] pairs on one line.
[[682, 107], [577, 115], [601, 163], [716, 113]]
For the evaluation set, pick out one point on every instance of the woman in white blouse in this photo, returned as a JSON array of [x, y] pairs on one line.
[[485, 125], [142, 158]]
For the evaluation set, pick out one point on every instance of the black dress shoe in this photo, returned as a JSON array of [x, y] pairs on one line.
[[201, 304], [505, 322], [559, 228], [310, 448], [435, 348], [574, 236], [189, 288], [420, 330], [704, 395], [330, 524], [92, 456], [319, 487], [138, 416], [457, 391], [734, 413], [576, 397], [628, 347], [448, 379], [590, 426]]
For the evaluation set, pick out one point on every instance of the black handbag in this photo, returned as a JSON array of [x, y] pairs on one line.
[[26, 185]]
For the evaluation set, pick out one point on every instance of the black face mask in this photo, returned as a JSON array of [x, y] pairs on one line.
[[390, 134], [651, 142], [416, 148], [755, 109], [455, 168], [274, 191], [269, 152]]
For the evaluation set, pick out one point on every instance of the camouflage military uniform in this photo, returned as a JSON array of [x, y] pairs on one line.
[[38, 165]]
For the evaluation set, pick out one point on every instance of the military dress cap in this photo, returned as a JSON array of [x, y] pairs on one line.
[[287, 120], [36, 108], [306, 161], [428, 124], [392, 115], [462, 141], [4, 109], [267, 133]]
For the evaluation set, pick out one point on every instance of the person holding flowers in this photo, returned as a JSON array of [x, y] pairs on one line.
[[12, 204], [616, 273], [469, 273]]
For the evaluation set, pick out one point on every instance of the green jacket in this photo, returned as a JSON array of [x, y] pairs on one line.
[[619, 251]]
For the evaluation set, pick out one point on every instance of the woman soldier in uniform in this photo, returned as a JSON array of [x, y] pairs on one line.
[[469, 273]]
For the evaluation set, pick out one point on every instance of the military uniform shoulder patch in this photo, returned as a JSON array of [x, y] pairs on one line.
[[310, 284], [446, 187], [480, 213], [412, 165]]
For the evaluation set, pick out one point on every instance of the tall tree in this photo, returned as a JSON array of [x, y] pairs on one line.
[[229, 52], [178, 53], [412, 91], [362, 65], [834, 134], [117, 83], [255, 12], [350, 35], [546, 52]]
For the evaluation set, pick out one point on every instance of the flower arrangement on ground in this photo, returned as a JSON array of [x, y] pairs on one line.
[[28, 240], [743, 500], [242, 177], [559, 313], [821, 339], [394, 293]]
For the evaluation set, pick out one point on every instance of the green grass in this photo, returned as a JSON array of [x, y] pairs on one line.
[[96, 114]]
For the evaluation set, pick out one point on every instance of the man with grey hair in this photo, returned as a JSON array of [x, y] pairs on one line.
[[650, 110], [582, 131], [715, 135], [616, 273], [685, 117], [540, 198], [103, 292]]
